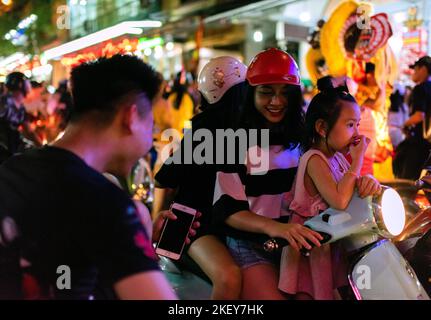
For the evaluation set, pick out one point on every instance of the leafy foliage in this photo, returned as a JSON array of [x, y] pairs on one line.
[[44, 28]]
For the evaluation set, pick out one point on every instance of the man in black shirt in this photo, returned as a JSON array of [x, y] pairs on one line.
[[413, 152], [66, 232], [420, 100]]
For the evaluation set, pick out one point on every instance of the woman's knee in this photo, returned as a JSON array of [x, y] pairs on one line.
[[230, 276], [228, 283]]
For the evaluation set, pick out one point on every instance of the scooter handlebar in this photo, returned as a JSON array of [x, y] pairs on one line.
[[276, 244]]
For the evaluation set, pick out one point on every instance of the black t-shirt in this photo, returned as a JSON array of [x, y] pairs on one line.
[[420, 100], [196, 182], [69, 214]]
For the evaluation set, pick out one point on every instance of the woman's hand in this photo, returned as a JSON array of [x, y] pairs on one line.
[[296, 234], [167, 214], [368, 186]]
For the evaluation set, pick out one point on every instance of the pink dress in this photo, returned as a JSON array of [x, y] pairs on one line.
[[324, 270]]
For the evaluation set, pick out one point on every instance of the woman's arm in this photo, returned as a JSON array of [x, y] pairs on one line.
[[295, 233]]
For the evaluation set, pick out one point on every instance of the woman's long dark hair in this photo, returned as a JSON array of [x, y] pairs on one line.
[[326, 106], [289, 131]]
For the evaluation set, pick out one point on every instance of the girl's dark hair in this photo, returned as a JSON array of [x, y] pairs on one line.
[[326, 106], [289, 131]]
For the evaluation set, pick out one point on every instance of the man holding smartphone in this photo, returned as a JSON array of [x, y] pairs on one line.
[[57, 210]]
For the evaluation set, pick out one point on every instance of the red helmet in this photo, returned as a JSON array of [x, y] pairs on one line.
[[273, 66]]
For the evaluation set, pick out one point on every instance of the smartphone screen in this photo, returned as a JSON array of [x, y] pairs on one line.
[[175, 232]]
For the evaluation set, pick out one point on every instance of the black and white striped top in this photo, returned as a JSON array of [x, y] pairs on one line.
[[240, 188]]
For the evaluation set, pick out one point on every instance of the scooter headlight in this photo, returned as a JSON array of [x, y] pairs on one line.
[[389, 213]]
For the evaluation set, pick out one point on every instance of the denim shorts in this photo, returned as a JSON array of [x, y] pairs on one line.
[[247, 254]]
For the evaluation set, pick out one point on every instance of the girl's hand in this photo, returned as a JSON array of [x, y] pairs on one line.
[[297, 235], [368, 186], [357, 149], [167, 214]]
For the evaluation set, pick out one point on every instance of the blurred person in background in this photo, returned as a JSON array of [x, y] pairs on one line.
[[369, 98], [163, 119], [35, 101], [413, 152], [182, 103], [398, 114], [13, 119]]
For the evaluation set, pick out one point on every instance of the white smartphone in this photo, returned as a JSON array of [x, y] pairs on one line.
[[174, 233]]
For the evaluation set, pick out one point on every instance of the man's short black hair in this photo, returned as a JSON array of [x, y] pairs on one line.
[[100, 86]]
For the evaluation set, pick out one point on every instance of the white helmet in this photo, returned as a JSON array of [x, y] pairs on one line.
[[219, 75]]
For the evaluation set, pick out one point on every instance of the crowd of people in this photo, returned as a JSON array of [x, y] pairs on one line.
[[58, 208], [30, 115]]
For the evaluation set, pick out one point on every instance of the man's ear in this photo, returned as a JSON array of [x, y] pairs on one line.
[[321, 127], [129, 118]]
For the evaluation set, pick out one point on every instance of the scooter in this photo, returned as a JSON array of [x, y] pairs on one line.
[[416, 196], [377, 270], [367, 229], [415, 242]]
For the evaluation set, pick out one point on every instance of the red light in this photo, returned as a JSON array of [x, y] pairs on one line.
[[422, 201]]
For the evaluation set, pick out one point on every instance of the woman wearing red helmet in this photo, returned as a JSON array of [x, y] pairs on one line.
[[251, 203]]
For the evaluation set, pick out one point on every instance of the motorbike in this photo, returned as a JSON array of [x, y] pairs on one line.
[[375, 233], [416, 196], [366, 229], [415, 241]]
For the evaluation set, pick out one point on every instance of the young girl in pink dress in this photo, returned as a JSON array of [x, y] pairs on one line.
[[325, 179]]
